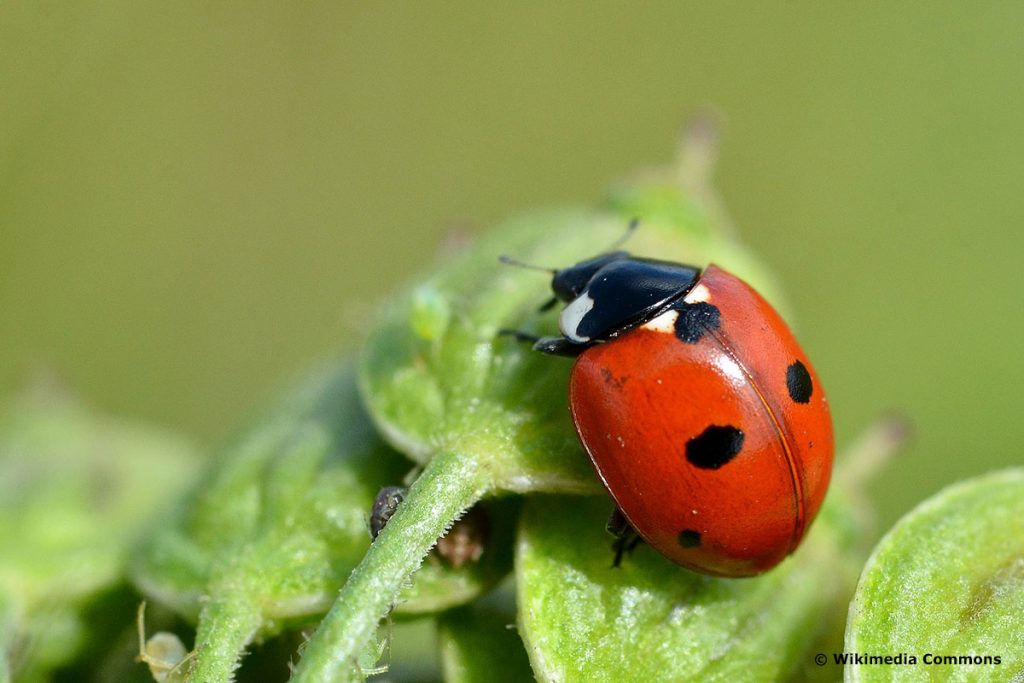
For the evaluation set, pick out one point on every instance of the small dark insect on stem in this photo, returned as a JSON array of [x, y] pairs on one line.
[[384, 507]]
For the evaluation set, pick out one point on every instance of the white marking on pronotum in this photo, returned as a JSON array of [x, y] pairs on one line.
[[697, 295], [572, 315], [666, 322]]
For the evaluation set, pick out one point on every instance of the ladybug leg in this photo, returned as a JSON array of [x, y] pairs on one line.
[[524, 337], [617, 525], [625, 544], [384, 508], [626, 537], [548, 305], [553, 346], [559, 346]]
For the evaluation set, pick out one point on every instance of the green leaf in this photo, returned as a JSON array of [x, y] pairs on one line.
[[76, 490], [275, 526], [650, 620], [947, 580], [279, 522], [479, 643]]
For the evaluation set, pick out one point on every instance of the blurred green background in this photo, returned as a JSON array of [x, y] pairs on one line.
[[197, 199]]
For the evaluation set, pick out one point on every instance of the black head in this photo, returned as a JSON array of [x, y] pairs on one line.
[[568, 283]]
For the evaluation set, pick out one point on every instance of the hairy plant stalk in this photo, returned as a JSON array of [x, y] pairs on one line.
[[448, 486], [227, 625]]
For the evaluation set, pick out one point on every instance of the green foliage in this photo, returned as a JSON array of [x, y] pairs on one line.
[[273, 529], [649, 620], [479, 643], [948, 579], [76, 490], [291, 495]]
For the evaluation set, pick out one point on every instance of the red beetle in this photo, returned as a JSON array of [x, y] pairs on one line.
[[698, 408]]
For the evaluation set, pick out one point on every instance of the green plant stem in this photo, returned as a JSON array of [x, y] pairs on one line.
[[448, 486], [227, 625]]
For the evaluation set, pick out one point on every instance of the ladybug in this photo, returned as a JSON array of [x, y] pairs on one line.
[[698, 409]]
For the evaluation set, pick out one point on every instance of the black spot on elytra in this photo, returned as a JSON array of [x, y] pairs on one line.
[[696, 320], [714, 447], [798, 382], [688, 538]]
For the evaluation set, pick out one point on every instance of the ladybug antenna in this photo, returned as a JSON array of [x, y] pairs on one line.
[[633, 224], [509, 261]]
